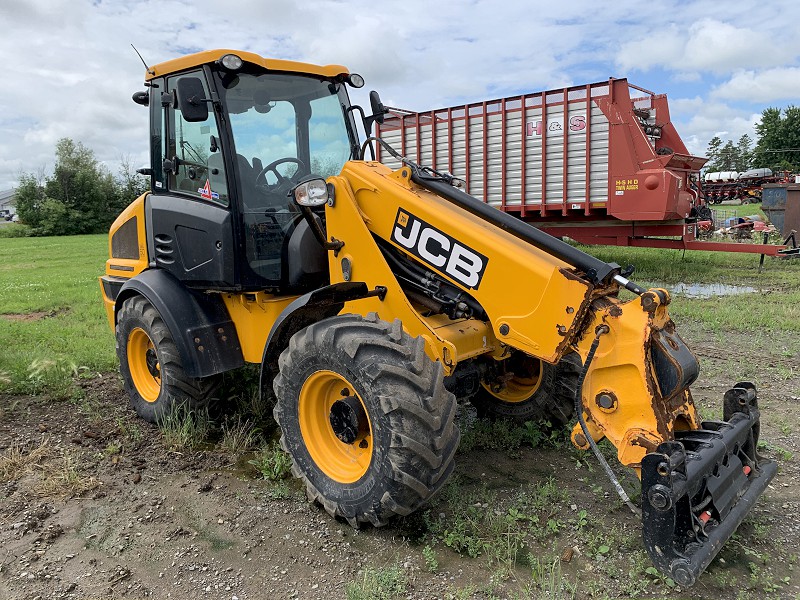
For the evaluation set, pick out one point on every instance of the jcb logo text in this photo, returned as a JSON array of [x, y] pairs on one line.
[[439, 250]]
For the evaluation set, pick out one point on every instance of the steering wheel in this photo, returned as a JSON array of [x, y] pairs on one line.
[[282, 181]]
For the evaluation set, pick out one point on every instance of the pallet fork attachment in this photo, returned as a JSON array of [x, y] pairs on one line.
[[697, 489]]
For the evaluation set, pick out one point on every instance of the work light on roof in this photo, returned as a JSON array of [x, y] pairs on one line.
[[356, 80], [231, 62]]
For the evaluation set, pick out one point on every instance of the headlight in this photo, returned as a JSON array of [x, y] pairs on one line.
[[311, 193], [231, 62]]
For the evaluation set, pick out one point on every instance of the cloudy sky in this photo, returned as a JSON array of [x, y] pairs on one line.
[[70, 70]]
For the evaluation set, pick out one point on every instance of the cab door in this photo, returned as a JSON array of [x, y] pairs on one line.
[[191, 232]]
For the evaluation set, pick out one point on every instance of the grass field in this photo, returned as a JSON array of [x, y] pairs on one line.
[[52, 324]]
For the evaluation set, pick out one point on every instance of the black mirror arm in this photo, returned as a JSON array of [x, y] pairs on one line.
[[319, 233]]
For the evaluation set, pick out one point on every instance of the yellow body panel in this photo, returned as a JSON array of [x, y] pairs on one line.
[[535, 303], [253, 314], [125, 267], [345, 222], [129, 267], [208, 56], [108, 306]]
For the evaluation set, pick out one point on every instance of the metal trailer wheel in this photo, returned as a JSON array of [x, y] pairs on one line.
[[151, 367], [531, 390], [365, 417]]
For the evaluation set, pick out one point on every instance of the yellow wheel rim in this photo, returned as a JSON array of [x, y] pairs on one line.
[[342, 453], [143, 365], [520, 387]]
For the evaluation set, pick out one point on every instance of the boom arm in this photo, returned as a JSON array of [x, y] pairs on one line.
[[520, 289]]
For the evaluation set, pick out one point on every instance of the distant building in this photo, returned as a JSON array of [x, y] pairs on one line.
[[7, 201]]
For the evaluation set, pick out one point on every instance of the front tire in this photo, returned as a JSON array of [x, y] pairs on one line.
[[365, 418], [151, 366]]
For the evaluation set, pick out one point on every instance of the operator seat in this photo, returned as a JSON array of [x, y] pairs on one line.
[[247, 176]]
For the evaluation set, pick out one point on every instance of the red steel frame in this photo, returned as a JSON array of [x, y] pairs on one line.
[[651, 215]]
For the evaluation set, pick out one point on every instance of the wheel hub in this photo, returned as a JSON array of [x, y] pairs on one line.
[[152, 362], [143, 364], [347, 419], [522, 378], [335, 426]]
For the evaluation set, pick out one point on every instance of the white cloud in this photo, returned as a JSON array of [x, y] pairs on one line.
[[701, 119], [770, 85], [710, 44]]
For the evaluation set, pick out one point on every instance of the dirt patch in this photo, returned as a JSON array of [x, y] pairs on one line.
[[34, 316], [143, 521]]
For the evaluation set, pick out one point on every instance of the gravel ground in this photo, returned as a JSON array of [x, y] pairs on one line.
[[99, 507]]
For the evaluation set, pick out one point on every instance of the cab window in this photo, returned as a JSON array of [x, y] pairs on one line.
[[195, 147]]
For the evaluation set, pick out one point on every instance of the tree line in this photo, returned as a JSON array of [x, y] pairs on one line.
[[79, 196], [777, 146]]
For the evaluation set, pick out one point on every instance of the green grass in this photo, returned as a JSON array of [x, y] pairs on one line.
[[775, 306], [386, 583], [57, 277], [272, 463]]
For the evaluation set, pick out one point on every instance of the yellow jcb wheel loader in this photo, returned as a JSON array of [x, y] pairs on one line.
[[374, 300]]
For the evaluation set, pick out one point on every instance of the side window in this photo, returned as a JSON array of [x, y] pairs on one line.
[[200, 170], [327, 134]]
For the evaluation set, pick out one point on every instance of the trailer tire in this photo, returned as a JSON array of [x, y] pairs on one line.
[[151, 367], [365, 418], [552, 399]]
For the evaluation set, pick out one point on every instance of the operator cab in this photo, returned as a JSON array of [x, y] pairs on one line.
[[230, 138]]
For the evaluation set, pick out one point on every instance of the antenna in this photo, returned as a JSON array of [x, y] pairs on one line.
[[149, 70]]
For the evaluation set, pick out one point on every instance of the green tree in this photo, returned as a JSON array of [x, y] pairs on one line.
[[80, 196], [30, 198], [130, 184], [714, 147], [744, 152], [84, 187], [728, 157], [778, 144]]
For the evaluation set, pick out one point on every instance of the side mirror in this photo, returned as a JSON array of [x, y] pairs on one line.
[[141, 98], [191, 99], [378, 109]]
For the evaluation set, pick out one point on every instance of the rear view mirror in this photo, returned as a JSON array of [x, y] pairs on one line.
[[378, 109], [192, 100]]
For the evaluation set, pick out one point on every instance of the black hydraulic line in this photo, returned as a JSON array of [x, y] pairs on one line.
[[417, 276], [594, 268], [579, 411]]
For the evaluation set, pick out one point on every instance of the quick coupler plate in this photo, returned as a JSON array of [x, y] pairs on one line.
[[697, 489]]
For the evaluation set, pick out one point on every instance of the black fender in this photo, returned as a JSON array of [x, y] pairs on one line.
[[199, 323], [309, 308]]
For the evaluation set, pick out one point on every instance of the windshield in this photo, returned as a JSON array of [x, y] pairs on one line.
[[281, 116], [285, 128]]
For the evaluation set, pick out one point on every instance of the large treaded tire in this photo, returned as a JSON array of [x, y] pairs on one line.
[[553, 401], [411, 415], [176, 388]]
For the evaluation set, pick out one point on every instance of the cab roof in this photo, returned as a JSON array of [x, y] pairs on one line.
[[209, 56]]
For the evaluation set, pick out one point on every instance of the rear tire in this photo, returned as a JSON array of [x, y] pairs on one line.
[[151, 366], [399, 440], [550, 394]]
